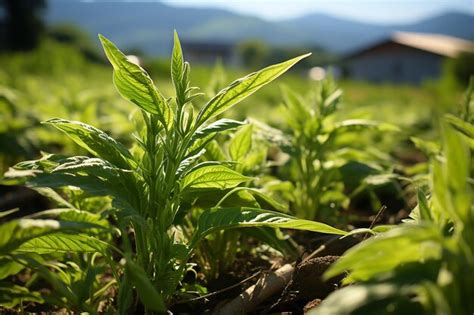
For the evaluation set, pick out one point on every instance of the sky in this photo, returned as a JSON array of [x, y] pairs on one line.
[[372, 11]]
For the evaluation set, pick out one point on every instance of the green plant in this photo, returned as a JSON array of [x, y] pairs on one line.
[[149, 183], [424, 265], [60, 246], [246, 154], [320, 147]]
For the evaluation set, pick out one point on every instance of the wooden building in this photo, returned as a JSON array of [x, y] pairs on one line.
[[405, 58]]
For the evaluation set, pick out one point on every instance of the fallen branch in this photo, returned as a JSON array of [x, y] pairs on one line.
[[265, 287]]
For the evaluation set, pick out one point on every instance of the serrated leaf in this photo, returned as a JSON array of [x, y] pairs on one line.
[[430, 148], [199, 144], [93, 185], [462, 126], [212, 177], [376, 255], [177, 66], [62, 243], [11, 295], [358, 124], [217, 126], [16, 232], [296, 109], [214, 152], [147, 293], [227, 218], [54, 196], [187, 163], [135, 85], [90, 166], [96, 142], [242, 88], [241, 143], [73, 215]]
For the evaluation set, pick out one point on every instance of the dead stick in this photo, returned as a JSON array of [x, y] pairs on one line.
[[265, 287]]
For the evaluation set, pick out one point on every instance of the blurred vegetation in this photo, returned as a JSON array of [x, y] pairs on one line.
[[73, 36]]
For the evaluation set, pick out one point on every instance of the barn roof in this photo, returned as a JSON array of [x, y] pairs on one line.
[[442, 45]]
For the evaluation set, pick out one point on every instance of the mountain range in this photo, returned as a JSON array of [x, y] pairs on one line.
[[149, 26]]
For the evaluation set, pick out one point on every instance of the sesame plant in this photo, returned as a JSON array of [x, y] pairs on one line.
[[63, 247], [320, 145], [424, 265], [154, 184], [247, 154]]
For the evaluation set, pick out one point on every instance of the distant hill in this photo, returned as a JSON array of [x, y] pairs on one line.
[[335, 34], [149, 26], [451, 23]]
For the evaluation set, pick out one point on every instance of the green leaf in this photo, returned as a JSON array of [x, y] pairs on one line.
[[450, 179], [383, 253], [74, 215], [7, 212], [269, 200], [9, 267], [226, 218], [90, 166], [177, 66], [367, 299], [425, 212], [359, 124], [217, 126], [62, 243], [257, 193], [214, 152], [135, 85], [93, 185], [212, 177], [430, 148], [241, 143], [125, 295], [456, 172], [462, 126], [14, 233], [297, 113], [147, 293], [198, 144], [96, 142], [11, 295], [54, 196], [187, 163], [242, 88]]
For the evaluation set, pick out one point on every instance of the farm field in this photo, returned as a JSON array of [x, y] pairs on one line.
[[125, 192]]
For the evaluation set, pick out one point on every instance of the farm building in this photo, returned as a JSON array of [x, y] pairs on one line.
[[405, 58], [209, 52]]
